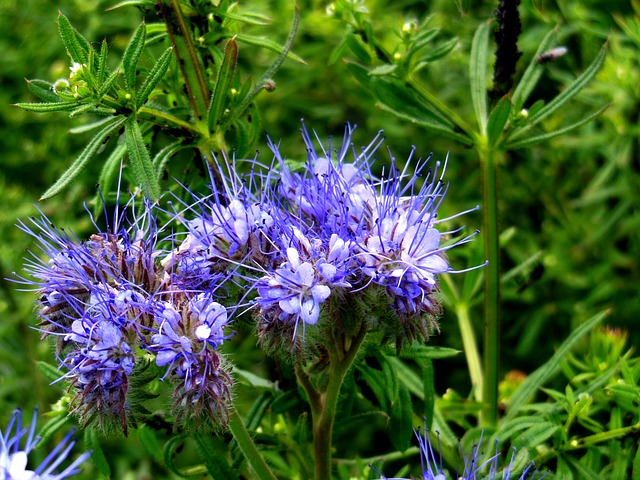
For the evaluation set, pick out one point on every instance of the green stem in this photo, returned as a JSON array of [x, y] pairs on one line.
[[189, 61], [248, 448], [471, 352], [152, 115], [488, 160], [323, 421]]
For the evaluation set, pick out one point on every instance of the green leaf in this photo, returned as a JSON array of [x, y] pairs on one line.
[[400, 101], [155, 75], [76, 45], [375, 380], [108, 174], [97, 457], [170, 449], [269, 45], [635, 474], [53, 426], [382, 70], [533, 72], [401, 420], [225, 77], [108, 83], [101, 74], [423, 352], [571, 91], [43, 90], [50, 372], [258, 410], [358, 49], [585, 472], [408, 377], [132, 55], [428, 383], [535, 380], [392, 388], [478, 74], [497, 120], [150, 442], [78, 165], [537, 434], [285, 401], [47, 107], [253, 380], [430, 56], [527, 142], [213, 459], [140, 159], [90, 126], [164, 155]]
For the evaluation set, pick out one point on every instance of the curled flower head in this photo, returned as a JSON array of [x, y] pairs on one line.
[[95, 298], [14, 458], [189, 331], [380, 235]]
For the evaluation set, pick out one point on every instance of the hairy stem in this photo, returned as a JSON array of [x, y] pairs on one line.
[[341, 362], [248, 448]]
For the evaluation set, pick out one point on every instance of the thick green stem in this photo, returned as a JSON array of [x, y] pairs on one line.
[[323, 421], [470, 349], [488, 160], [248, 448]]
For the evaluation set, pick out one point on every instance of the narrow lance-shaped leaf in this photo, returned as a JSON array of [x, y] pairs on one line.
[[155, 75], [108, 174], [478, 74], [269, 45], [53, 426], [140, 159], [163, 156], [97, 457], [527, 142], [78, 165], [132, 55], [428, 124], [47, 107], [401, 419], [530, 386], [76, 45], [101, 74], [571, 91], [225, 77], [498, 119], [533, 72], [43, 90], [213, 459]]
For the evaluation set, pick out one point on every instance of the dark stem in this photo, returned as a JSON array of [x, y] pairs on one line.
[[507, 54]]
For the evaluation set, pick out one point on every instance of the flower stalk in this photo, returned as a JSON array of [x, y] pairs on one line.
[[248, 448], [489, 160]]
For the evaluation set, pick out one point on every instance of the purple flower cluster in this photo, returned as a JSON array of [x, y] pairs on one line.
[[109, 300], [302, 249], [14, 459], [332, 230]]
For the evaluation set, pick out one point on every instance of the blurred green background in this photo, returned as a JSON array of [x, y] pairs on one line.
[[569, 209]]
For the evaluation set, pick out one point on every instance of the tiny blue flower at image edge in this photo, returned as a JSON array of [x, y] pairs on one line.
[[474, 468], [14, 459]]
